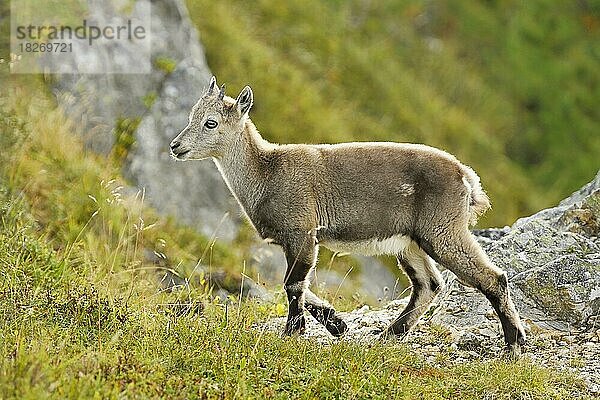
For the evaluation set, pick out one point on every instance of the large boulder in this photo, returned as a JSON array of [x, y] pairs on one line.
[[97, 101], [553, 263], [194, 192]]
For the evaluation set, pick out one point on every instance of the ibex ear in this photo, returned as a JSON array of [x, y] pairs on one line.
[[244, 100], [211, 86]]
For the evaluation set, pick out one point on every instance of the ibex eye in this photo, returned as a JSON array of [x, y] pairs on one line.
[[211, 124]]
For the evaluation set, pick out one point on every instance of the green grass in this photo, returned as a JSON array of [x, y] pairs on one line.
[[82, 313], [510, 87], [66, 337]]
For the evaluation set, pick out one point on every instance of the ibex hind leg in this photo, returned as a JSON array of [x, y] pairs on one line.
[[426, 283], [462, 255]]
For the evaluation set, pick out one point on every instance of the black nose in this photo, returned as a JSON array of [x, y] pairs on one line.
[[175, 145]]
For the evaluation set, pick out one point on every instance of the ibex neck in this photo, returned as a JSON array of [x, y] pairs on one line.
[[244, 167]]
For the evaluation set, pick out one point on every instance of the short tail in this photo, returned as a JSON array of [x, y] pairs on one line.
[[479, 202]]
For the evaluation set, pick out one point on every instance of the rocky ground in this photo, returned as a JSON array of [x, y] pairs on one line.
[[553, 262], [441, 345]]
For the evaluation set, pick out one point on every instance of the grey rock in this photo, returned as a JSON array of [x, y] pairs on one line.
[[582, 193], [491, 234], [222, 284], [553, 215], [96, 101], [269, 261], [553, 262], [376, 280], [192, 192], [468, 340]]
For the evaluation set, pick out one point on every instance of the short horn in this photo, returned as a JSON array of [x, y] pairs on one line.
[[222, 92]]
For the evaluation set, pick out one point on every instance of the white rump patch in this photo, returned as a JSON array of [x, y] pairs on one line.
[[392, 245]]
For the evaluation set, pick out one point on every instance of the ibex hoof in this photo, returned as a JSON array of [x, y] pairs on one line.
[[388, 335], [336, 327], [513, 351], [295, 325]]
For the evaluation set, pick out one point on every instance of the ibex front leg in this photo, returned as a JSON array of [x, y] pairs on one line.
[[300, 251], [324, 312]]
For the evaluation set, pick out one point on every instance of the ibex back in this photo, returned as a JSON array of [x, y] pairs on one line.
[[413, 201]]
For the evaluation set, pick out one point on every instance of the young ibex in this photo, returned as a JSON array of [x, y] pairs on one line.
[[409, 200]]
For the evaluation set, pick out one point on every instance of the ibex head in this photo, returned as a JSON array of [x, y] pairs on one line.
[[214, 123]]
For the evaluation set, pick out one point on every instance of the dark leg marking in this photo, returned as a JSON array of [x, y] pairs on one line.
[[295, 322], [401, 326], [426, 283], [300, 253], [325, 314], [500, 300]]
